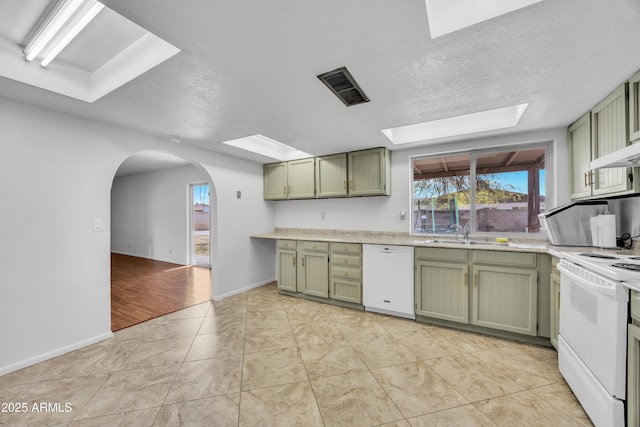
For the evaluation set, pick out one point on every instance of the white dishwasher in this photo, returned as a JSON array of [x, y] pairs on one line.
[[387, 281]]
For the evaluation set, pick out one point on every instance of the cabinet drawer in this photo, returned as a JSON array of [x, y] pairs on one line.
[[635, 306], [505, 258], [346, 273], [444, 254], [346, 248], [287, 244], [315, 246], [346, 260]]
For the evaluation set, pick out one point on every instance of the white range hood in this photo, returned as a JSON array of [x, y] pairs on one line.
[[628, 156]]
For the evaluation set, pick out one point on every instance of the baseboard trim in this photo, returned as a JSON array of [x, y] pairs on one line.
[[147, 257], [54, 353], [241, 290]]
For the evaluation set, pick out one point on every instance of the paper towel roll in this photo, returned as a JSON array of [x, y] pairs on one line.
[[603, 231]]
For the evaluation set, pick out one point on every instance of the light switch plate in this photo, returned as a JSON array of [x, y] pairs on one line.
[[98, 224]]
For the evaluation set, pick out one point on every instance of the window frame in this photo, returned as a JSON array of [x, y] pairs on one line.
[[547, 145]]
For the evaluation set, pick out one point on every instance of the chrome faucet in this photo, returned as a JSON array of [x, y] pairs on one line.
[[462, 230]]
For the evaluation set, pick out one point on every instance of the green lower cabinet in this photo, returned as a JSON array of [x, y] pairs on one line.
[[442, 290], [287, 277], [505, 298], [345, 282], [555, 309], [633, 375], [304, 267], [346, 290], [313, 274]]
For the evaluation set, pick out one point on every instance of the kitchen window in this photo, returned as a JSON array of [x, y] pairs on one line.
[[493, 191]]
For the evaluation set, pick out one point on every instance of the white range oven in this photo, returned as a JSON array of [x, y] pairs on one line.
[[592, 344]]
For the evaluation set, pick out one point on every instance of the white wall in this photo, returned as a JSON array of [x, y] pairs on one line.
[[150, 213], [56, 173], [383, 213]]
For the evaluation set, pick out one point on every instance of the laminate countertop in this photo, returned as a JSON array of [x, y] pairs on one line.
[[478, 242]]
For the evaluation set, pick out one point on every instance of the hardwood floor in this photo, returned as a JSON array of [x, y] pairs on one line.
[[142, 289]]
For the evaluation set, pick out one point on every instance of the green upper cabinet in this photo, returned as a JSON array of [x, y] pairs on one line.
[[301, 179], [275, 181], [579, 140], [290, 180], [601, 131], [331, 175], [359, 173], [369, 172], [634, 107], [609, 133]]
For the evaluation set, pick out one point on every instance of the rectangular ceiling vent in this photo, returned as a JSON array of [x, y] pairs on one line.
[[344, 86]]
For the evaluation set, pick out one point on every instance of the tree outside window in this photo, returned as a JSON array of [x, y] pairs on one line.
[[507, 195]]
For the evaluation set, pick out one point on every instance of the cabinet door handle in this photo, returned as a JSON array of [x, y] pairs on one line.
[[585, 180], [294, 260], [303, 261], [590, 178], [350, 185], [345, 185], [558, 300], [475, 279], [466, 279]]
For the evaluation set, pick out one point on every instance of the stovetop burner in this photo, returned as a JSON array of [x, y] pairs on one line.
[[601, 256], [627, 266]]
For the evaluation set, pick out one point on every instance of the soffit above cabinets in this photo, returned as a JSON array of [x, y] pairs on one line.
[[109, 52]]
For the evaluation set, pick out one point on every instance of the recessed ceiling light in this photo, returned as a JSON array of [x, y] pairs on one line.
[[268, 147], [92, 61], [447, 16], [482, 121], [68, 18]]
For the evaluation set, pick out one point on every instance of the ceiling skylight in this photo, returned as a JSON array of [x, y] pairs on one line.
[[447, 16], [267, 147], [88, 49], [482, 121]]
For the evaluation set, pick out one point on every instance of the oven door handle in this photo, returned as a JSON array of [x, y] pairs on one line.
[[617, 292]]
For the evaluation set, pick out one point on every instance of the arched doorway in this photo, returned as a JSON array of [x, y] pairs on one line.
[[152, 271]]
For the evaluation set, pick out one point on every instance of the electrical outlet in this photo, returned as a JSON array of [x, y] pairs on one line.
[[238, 194]]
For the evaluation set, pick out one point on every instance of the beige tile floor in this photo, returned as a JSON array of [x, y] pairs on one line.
[[262, 359]]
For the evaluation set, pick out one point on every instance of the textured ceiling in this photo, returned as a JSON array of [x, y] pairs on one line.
[[249, 67]]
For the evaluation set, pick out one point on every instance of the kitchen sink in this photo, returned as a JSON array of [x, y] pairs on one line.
[[461, 242], [485, 243]]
